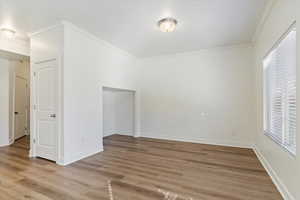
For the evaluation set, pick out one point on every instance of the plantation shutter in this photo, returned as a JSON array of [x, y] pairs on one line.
[[280, 93]]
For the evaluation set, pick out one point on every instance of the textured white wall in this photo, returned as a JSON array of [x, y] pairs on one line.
[[89, 64], [282, 15], [4, 102], [118, 112], [205, 96]]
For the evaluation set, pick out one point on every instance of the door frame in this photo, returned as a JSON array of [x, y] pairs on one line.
[[12, 128], [59, 116], [12, 140]]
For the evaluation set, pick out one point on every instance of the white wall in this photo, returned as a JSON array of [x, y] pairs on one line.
[[4, 102], [205, 96], [285, 167], [89, 64], [16, 45], [10, 65], [118, 112]]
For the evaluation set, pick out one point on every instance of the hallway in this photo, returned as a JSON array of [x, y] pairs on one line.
[[22, 143]]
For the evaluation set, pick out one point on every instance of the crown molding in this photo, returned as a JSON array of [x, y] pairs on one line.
[[267, 11], [45, 29]]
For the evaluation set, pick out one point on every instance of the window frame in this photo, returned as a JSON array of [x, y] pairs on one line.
[[291, 28]]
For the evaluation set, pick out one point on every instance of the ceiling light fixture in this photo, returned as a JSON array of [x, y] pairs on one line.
[[167, 24], [8, 33]]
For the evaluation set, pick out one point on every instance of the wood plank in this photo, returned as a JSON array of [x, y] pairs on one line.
[[138, 168]]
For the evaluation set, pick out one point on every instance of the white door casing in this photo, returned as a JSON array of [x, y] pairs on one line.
[[45, 109], [20, 110]]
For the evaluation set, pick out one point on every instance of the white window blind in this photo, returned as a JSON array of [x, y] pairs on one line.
[[280, 92]]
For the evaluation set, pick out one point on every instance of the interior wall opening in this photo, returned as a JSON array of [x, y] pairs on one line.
[[118, 112]]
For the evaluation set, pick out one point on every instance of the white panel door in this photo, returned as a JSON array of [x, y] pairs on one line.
[[20, 107], [45, 86]]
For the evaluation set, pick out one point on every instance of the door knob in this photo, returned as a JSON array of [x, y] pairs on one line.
[[52, 115], [16, 113]]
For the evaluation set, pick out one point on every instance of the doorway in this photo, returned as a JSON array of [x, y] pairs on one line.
[[15, 81], [118, 112], [21, 102], [45, 116], [21, 108]]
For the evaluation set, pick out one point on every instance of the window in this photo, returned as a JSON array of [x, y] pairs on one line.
[[280, 92]]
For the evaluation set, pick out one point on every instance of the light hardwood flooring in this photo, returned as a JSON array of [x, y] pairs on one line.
[[138, 169]]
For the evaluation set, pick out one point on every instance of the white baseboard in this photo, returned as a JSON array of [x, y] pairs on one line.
[[204, 141], [78, 157], [31, 154], [11, 141], [275, 178], [5, 145], [118, 133]]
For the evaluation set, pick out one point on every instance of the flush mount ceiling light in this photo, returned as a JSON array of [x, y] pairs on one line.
[[8, 33], [167, 24]]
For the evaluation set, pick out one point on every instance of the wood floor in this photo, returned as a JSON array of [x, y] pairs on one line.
[[138, 169]]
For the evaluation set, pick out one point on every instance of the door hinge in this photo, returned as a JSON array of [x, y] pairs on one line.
[[34, 73], [34, 141], [34, 107]]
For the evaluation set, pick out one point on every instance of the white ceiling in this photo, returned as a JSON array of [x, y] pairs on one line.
[[131, 24]]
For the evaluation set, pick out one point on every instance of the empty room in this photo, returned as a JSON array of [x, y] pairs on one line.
[[149, 100]]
